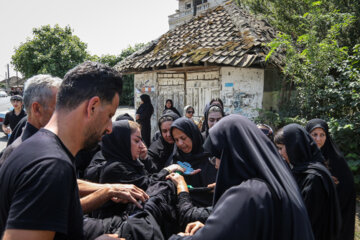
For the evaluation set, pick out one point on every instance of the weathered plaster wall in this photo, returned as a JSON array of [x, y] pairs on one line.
[[242, 90], [201, 87], [170, 86]]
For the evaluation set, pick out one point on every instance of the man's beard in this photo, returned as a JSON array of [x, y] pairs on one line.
[[92, 140]]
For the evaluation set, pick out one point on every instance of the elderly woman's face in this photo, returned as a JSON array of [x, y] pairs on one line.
[[136, 144], [182, 140], [319, 136], [165, 131]]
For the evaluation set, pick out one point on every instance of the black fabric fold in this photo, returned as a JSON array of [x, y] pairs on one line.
[[339, 168], [255, 194]]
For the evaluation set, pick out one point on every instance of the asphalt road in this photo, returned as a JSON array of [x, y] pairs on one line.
[[5, 104]]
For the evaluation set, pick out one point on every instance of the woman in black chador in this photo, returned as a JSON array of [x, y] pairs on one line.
[[213, 113], [143, 117], [121, 150], [170, 106], [162, 149], [313, 178], [338, 167], [255, 195], [189, 149]]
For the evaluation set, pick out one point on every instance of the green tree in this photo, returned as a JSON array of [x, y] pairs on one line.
[[52, 50], [321, 44], [127, 96], [112, 60]]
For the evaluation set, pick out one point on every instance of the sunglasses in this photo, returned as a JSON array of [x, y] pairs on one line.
[[190, 112]]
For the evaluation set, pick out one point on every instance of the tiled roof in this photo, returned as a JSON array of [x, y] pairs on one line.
[[226, 35]]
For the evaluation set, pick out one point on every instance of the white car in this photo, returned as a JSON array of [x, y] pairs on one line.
[[3, 94]]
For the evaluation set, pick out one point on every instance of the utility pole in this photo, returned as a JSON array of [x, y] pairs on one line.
[[194, 7], [8, 76]]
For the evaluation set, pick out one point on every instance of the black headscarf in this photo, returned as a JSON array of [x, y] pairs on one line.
[[255, 194], [339, 169], [172, 108], [116, 147], [192, 131], [120, 167], [124, 116], [198, 158], [160, 150], [206, 115], [315, 182]]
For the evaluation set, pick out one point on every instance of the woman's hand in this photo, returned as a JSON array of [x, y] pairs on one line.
[[192, 228], [176, 178], [179, 182], [174, 167], [212, 186], [143, 152]]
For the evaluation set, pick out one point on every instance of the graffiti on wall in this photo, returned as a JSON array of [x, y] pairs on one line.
[[240, 103]]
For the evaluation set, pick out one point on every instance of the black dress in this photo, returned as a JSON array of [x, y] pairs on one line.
[[255, 195], [339, 169], [315, 182], [198, 159], [120, 167], [145, 111]]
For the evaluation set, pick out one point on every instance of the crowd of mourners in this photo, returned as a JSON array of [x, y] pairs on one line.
[[69, 172]]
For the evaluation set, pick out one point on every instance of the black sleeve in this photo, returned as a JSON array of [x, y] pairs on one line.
[[7, 120], [188, 212], [42, 192], [115, 173]]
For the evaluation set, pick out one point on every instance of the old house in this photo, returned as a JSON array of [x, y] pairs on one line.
[[218, 53]]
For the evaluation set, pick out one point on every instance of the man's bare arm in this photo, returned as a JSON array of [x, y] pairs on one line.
[[15, 234], [97, 194]]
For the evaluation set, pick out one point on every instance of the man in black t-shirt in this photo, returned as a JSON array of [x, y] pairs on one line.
[[39, 196], [13, 117]]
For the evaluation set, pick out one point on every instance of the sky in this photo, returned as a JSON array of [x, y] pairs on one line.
[[107, 26]]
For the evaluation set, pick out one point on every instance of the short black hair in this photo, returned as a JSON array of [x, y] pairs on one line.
[[88, 80], [16, 98]]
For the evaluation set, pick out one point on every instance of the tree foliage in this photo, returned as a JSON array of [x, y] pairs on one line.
[[52, 50], [112, 60], [321, 44], [127, 96]]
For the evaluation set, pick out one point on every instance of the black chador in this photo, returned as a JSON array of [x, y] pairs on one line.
[[255, 196], [145, 111], [315, 182], [339, 169], [119, 166], [198, 159]]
